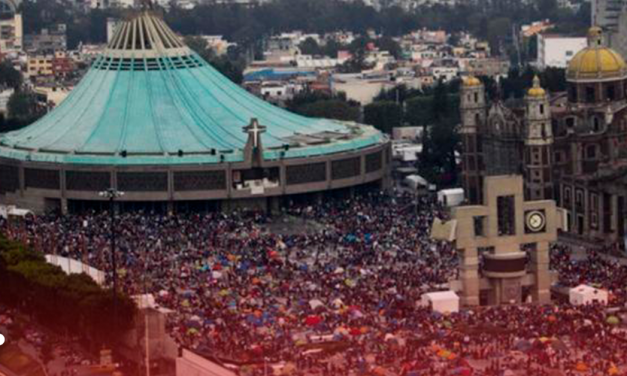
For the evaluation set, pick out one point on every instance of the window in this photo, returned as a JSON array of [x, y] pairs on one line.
[[476, 97], [567, 195], [579, 198], [569, 53], [610, 93], [594, 201], [506, 212], [596, 124], [591, 151], [558, 157], [590, 94], [478, 225], [541, 109], [572, 94], [535, 156], [570, 122]]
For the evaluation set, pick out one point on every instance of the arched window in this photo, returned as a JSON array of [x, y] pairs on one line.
[[610, 92], [591, 151], [596, 124], [590, 97], [572, 93]]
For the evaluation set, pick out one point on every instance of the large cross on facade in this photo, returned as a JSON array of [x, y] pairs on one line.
[[493, 241], [255, 130]]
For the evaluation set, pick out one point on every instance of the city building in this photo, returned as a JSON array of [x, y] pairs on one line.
[[489, 67], [11, 27], [158, 123], [570, 147], [47, 41], [40, 66], [50, 95], [556, 51], [62, 65], [611, 16], [361, 88], [605, 14]]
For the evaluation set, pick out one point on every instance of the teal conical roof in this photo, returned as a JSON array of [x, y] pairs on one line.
[[149, 96]]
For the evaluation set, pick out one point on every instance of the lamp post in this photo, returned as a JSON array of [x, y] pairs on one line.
[[111, 194]]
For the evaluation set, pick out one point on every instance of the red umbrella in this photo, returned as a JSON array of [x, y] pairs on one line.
[[313, 320]]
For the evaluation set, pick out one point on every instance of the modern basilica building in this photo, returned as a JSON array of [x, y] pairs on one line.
[[154, 120]]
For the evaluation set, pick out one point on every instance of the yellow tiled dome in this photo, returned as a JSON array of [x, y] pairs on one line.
[[471, 81], [596, 61]]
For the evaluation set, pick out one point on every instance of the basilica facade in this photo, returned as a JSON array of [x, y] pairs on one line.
[[569, 146]]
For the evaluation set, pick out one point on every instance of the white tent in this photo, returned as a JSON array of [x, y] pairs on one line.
[[584, 294], [415, 182], [13, 211], [451, 197], [444, 301]]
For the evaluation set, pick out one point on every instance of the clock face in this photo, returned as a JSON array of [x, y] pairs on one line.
[[535, 221]]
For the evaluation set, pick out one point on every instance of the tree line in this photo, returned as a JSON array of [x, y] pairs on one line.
[[249, 26], [66, 304], [22, 105]]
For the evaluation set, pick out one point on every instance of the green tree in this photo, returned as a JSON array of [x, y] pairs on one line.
[[200, 46], [390, 45], [383, 115], [437, 161], [230, 65], [310, 47], [419, 111], [23, 106], [9, 76], [331, 48], [330, 109], [321, 105], [498, 29], [59, 301]]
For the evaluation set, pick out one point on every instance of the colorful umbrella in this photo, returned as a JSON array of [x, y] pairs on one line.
[[613, 320], [313, 320]]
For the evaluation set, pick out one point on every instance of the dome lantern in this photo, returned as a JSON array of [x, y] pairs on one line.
[[536, 90]]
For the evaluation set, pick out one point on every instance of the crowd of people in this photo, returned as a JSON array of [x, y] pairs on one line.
[[340, 295]]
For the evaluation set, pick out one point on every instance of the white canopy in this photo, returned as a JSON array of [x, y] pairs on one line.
[[443, 301], [11, 210], [584, 294], [418, 180]]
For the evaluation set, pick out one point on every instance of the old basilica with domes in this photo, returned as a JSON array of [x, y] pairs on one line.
[[569, 146]]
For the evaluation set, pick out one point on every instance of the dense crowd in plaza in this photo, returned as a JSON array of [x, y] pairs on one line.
[[340, 297]]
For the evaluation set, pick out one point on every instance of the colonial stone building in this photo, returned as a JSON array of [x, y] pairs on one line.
[[568, 146]]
